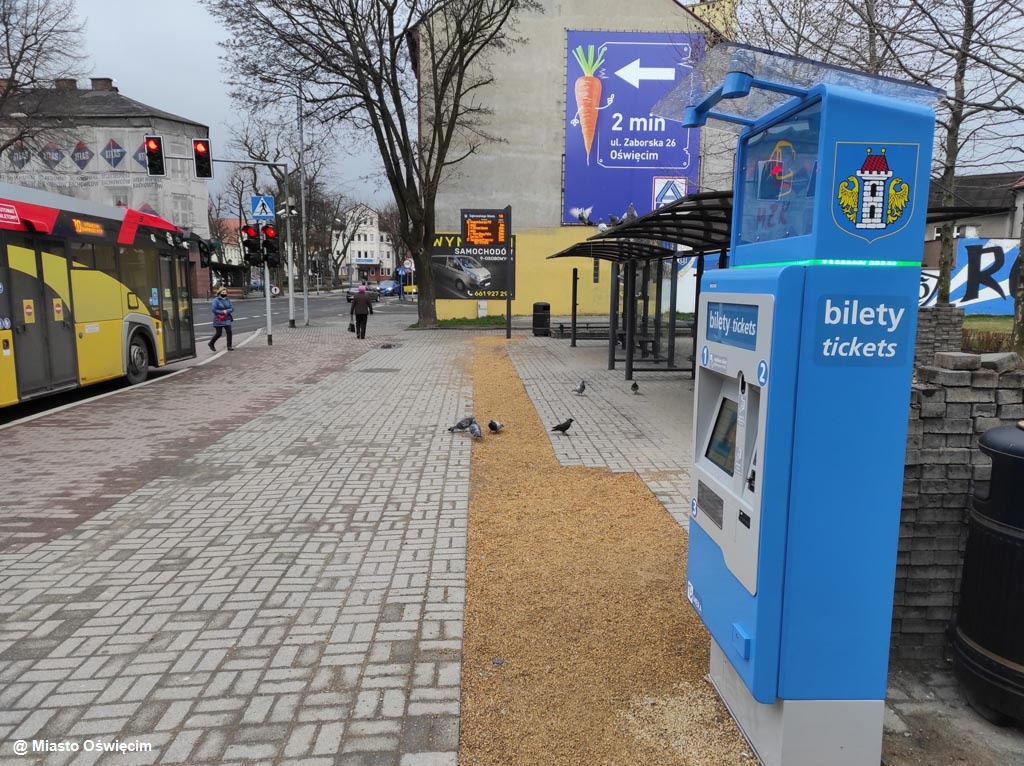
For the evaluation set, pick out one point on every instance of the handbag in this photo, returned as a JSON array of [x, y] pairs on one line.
[[351, 326]]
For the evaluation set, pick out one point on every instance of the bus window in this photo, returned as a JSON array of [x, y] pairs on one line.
[[139, 270], [81, 253], [105, 259]]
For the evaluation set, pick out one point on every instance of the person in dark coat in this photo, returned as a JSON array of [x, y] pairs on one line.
[[223, 313], [362, 307]]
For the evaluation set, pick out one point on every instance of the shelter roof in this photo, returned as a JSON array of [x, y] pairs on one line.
[[701, 223]]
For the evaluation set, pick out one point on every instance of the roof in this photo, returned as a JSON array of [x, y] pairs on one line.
[[702, 224], [85, 105], [989, 190], [875, 163]]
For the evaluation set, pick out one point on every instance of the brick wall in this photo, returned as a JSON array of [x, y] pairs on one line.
[[952, 403], [939, 328]]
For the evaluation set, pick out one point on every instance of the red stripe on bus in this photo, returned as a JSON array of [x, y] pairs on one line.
[[27, 217]]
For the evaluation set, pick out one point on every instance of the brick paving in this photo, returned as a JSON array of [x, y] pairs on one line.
[[262, 560], [278, 578]]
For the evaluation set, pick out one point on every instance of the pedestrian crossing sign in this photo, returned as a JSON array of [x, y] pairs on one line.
[[262, 207]]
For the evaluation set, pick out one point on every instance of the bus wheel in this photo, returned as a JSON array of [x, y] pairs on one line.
[[138, 361]]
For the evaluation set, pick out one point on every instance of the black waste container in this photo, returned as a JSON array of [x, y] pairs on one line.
[[541, 318], [988, 653]]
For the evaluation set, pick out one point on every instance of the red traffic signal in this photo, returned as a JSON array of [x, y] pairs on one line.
[[202, 157], [154, 146], [270, 249], [251, 245]]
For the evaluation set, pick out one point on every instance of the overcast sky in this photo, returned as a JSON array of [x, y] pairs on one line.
[[164, 53]]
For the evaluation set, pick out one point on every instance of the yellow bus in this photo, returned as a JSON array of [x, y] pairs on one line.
[[88, 293]]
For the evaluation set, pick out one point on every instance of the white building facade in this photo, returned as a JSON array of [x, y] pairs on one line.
[[91, 147]]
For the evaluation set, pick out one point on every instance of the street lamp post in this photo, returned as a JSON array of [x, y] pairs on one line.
[[302, 206]]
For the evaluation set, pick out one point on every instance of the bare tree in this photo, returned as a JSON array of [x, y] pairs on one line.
[[40, 43], [968, 47], [407, 72]]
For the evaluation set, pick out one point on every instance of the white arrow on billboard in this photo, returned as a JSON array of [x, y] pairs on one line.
[[633, 73]]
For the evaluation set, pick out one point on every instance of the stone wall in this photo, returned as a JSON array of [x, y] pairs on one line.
[[952, 403], [939, 328]]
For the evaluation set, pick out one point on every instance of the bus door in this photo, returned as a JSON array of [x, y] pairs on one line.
[[44, 330], [176, 307]]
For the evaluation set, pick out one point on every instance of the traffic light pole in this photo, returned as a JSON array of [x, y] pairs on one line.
[[266, 297], [266, 268]]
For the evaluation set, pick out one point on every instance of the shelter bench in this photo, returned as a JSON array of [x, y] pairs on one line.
[[584, 330]]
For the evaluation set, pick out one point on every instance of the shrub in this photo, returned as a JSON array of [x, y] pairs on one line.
[[985, 341]]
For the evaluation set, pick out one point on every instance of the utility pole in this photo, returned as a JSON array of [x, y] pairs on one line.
[[302, 209]]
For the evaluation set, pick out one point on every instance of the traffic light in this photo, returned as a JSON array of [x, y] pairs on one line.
[[271, 251], [203, 157], [154, 155], [204, 254], [251, 245]]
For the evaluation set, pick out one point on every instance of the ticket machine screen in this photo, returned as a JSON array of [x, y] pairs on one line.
[[722, 446]]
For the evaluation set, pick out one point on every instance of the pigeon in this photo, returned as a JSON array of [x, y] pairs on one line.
[[635, 388], [630, 215], [474, 430], [602, 226], [580, 388], [463, 424], [613, 220], [563, 427], [495, 426], [582, 214]]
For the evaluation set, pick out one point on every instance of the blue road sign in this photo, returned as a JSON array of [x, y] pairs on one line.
[[261, 207], [400, 271], [616, 152]]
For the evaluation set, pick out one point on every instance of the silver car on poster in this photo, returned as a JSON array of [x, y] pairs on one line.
[[462, 272]]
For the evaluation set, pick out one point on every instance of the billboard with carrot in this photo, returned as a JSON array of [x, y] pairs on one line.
[[616, 153]]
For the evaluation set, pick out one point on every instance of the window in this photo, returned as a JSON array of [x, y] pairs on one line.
[[139, 271], [81, 252], [106, 259], [119, 195], [181, 206], [970, 232]]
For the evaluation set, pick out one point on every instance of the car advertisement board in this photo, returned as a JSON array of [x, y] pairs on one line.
[[466, 272], [617, 153]]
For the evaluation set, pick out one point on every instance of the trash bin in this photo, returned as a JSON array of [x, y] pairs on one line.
[[541, 318], [988, 654]]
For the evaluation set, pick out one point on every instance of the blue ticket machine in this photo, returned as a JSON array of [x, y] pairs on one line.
[[805, 350]]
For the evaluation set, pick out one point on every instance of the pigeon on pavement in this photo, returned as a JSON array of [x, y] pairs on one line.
[[563, 427], [463, 424], [580, 388], [495, 426], [635, 388], [474, 429]]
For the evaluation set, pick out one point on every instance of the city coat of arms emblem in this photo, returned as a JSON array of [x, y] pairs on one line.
[[873, 194]]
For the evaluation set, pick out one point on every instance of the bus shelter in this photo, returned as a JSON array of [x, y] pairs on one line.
[[697, 226], [641, 251]]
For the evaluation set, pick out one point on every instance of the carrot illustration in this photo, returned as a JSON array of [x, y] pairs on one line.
[[588, 92]]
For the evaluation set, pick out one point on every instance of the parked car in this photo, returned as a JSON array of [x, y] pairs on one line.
[[373, 291], [388, 287], [461, 272]]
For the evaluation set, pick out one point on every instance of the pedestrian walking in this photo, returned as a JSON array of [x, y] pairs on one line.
[[223, 315], [361, 310]]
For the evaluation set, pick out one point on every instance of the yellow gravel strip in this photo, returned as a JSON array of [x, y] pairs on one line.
[[579, 646]]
